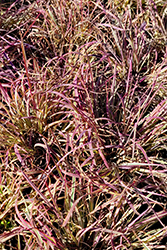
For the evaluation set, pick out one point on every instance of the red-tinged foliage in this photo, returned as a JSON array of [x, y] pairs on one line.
[[83, 125]]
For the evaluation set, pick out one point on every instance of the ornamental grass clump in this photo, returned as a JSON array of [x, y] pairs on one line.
[[83, 112]]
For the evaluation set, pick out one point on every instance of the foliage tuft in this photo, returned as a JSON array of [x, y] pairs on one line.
[[83, 132]]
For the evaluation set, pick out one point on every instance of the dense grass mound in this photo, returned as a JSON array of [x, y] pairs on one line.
[[83, 124]]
